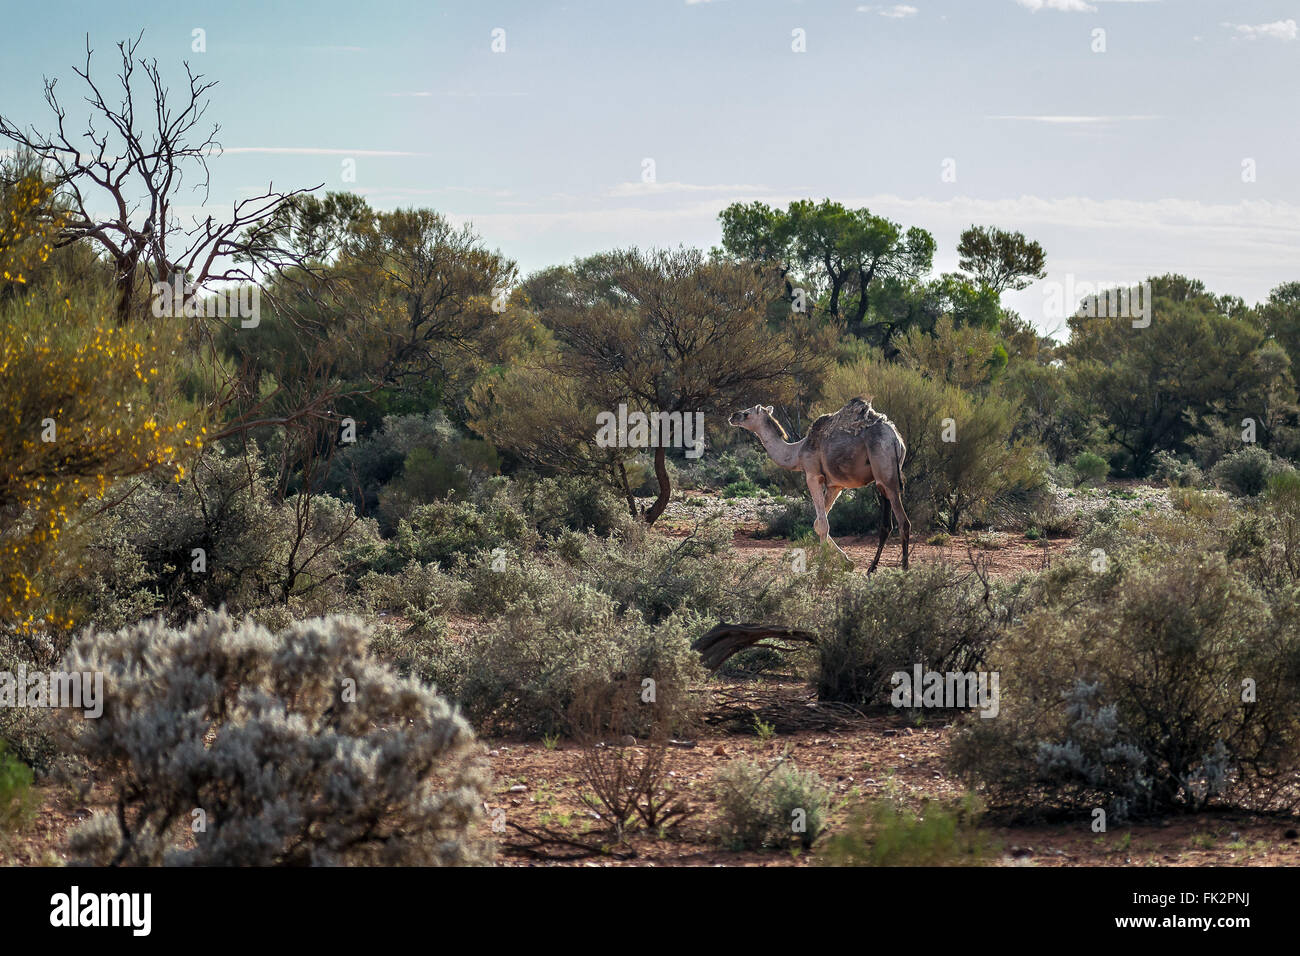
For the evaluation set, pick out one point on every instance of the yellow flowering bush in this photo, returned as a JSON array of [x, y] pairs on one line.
[[81, 405]]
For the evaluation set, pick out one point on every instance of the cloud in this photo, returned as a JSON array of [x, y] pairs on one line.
[[1074, 120], [1065, 6], [317, 151], [644, 189], [1284, 30], [898, 11], [457, 93], [405, 192]]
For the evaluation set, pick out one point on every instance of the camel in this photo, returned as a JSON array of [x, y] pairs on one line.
[[853, 448]]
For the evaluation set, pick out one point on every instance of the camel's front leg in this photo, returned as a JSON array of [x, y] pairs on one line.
[[822, 499]]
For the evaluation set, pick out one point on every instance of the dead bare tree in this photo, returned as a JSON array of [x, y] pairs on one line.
[[137, 161]]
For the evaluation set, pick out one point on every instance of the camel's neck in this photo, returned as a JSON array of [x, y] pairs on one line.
[[784, 453]]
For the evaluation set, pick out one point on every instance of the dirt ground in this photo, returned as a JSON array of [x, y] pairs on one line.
[[541, 787], [1011, 556]]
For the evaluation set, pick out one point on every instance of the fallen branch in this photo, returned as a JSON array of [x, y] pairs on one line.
[[722, 641]]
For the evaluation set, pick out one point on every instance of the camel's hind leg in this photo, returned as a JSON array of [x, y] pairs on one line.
[[895, 497], [884, 528]]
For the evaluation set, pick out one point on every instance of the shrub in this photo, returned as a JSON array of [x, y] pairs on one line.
[[629, 778], [83, 401], [1195, 502], [775, 806], [407, 461], [287, 749], [1150, 712], [931, 615], [659, 576], [574, 503], [422, 587], [890, 834], [522, 674], [1091, 468], [856, 512], [1176, 472], [789, 518], [494, 583], [1246, 472], [142, 557], [17, 802], [743, 489], [442, 530], [1054, 522], [422, 647]]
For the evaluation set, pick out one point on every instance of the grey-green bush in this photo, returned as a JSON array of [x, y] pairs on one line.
[[1091, 468], [775, 805], [932, 615], [272, 749], [1164, 682], [574, 503], [521, 675], [1246, 472]]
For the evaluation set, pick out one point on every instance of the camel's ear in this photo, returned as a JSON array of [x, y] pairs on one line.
[[766, 408]]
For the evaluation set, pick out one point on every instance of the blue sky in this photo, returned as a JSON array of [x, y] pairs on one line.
[[1123, 163]]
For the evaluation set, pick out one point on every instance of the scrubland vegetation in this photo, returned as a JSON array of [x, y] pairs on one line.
[[328, 561]]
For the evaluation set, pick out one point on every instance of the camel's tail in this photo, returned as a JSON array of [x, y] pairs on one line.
[[898, 466]]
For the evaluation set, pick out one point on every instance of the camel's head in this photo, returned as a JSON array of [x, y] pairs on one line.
[[752, 418]]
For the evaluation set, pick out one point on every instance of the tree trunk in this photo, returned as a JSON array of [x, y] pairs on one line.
[[627, 489], [125, 292], [859, 316], [837, 282], [665, 487]]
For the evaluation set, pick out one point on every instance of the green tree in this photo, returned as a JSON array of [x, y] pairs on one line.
[[1148, 387], [661, 331], [842, 254], [1280, 315], [1000, 259]]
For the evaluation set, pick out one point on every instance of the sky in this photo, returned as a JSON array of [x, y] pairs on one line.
[[1130, 137]]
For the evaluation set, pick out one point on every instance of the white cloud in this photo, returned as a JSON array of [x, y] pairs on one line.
[[316, 151], [1065, 6], [457, 93], [1074, 120], [646, 189], [1284, 30], [898, 11]]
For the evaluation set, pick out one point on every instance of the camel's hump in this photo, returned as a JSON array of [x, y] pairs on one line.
[[854, 418]]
